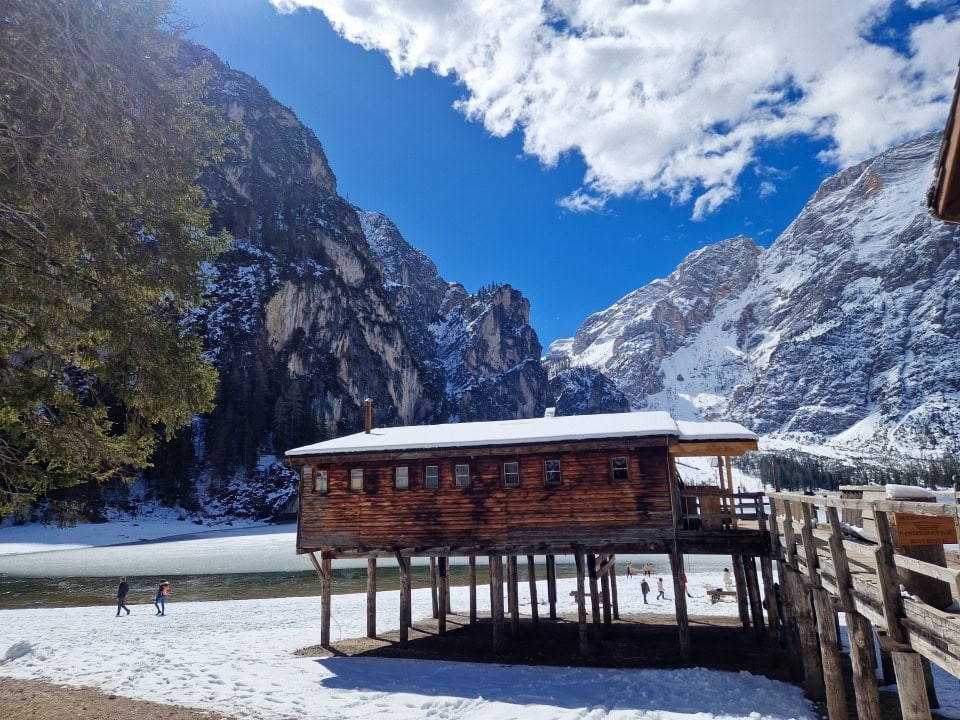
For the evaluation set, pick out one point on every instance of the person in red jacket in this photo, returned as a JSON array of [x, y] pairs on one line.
[[160, 603]]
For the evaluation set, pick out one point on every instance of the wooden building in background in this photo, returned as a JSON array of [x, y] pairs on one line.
[[589, 486]]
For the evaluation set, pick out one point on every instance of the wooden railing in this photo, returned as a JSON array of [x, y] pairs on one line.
[[711, 508], [864, 567]]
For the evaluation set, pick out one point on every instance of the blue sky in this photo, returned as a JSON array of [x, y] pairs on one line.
[[579, 150]]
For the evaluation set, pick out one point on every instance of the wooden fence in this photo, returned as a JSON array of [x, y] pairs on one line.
[[882, 579]]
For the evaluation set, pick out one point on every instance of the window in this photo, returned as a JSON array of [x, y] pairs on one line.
[[401, 478], [551, 470], [320, 481], [619, 469], [511, 473], [462, 475], [356, 479], [431, 476]]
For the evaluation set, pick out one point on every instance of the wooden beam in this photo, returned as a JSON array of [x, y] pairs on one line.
[[753, 594], [442, 587], [866, 694], [911, 686], [532, 580], [613, 587], [830, 655], [799, 598], [405, 610], [605, 591], [496, 605], [680, 603], [594, 597], [513, 596], [581, 562], [322, 569], [709, 448], [743, 602], [472, 572], [434, 601], [552, 585], [371, 597]]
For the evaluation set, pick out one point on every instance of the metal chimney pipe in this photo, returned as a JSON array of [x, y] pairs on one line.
[[368, 416]]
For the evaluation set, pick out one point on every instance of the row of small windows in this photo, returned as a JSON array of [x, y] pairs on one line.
[[552, 475]]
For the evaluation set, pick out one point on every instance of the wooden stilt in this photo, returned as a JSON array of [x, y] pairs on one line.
[[322, 568], [442, 589], [532, 579], [552, 585], [605, 593], [753, 593], [865, 691], [405, 611], [447, 593], [371, 597], [680, 603], [830, 655], [472, 570], [433, 588], [513, 596], [496, 607], [581, 561], [742, 592], [613, 587], [806, 625], [596, 627], [911, 685]]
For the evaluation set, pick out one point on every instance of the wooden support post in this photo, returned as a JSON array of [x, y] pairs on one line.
[[809, 546], [791, 628], [753, 593], [680, 603], [532, 580], [789, 536], [799, 597], [613, 587], [594, 597], [434, 602], [766, 572], [472, 571], [605, 591], [496, 605], [323, 572], [405, 610], [581, 561], [552, 585], [371, 597], [830, 655], [513, 596], [447, 593], [442, 588], [742, 600], [911, 685], [860, 634]]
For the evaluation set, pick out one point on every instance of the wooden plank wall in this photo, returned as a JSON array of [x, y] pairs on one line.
[[586, 506]]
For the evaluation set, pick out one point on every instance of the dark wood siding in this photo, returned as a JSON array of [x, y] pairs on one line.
[[587, 507]]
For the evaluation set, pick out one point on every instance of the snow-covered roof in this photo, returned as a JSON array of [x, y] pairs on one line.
[[534, 430]]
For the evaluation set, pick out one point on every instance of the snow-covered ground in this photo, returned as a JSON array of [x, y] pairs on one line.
[[237, 657]]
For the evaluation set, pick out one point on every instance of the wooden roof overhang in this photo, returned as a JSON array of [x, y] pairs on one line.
[[711, 448], [944, 198]]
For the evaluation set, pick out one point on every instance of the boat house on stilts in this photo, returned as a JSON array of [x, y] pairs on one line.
[[590, 486]]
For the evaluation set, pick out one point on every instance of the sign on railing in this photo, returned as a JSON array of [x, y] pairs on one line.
[[924, 530]]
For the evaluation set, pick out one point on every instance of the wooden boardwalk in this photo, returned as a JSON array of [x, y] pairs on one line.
[[845, 554]]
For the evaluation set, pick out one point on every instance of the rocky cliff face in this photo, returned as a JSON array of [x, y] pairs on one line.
[[845, 331], [318, 305], [584, 391]]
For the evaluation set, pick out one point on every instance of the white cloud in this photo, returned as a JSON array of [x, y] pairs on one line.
[[767, 188], [668, 96]]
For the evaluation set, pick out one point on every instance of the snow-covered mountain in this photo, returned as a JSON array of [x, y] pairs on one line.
[[845, 331]]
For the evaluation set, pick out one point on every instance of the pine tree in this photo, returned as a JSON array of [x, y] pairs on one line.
[[102, 232]]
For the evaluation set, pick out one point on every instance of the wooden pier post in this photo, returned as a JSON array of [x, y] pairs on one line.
[[405, 609], [472, 571], [741, 581], [753, 593], [496, 596], [830, 655], [552, 585], [435, 605], [613, 587], [594, 597], [322, 567], [581, 561], [513, 596], [860, 635], [532, 579], [371, 597], [605, 592], [796, 593], [680, 603], [442, 588]]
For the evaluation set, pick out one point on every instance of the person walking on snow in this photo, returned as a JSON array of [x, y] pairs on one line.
[[660, 595], [122, 589], [629, 569], [644, 588], [160, 603], [727, 579]]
